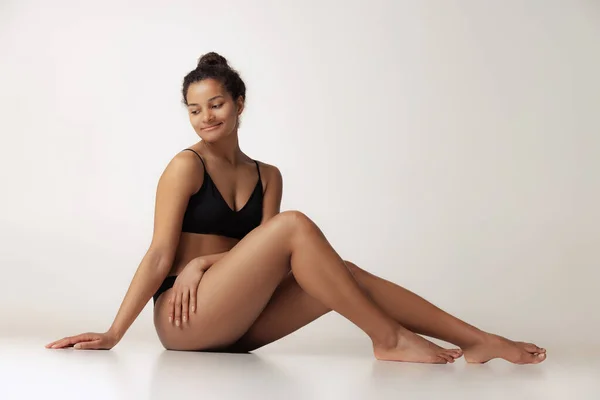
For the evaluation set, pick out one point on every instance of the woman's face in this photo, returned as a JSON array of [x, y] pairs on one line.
[[212, 111]]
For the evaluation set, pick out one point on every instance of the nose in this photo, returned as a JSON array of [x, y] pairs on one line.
[[208, 117]]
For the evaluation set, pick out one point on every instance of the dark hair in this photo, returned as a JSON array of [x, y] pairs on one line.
[[214, 66]]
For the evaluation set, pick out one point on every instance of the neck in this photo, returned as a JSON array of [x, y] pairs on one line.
[[226, 149]]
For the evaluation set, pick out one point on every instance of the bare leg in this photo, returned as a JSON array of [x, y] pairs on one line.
[[232, 291], [335, 287], [420, 316], [291, 308]]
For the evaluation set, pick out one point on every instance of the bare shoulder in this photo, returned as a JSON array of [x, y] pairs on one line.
[[270, 174], [181, 178], [184, 169]]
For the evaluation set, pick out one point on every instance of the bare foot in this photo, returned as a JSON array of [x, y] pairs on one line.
[[494, 346], [411, 347]]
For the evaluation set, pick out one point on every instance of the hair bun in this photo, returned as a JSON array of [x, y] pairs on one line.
[[212, 59]]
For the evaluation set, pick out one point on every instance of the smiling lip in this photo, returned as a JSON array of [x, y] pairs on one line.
[[212, 127]]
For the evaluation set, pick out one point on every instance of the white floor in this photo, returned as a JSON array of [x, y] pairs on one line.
[[282, 371]]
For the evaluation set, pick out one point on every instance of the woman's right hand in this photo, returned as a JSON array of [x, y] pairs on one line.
[[89, 341], [183, 297]]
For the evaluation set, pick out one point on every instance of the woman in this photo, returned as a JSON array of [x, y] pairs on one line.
[[229, 272]]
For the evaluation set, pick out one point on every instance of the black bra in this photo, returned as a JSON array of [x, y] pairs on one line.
[[208, 212]]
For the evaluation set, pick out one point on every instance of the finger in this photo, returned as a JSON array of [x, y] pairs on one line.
[[178, 308], [94, 344], [172, 307], [193, 301], [185, 304], [69, 341], [60, 344], [53, 343]]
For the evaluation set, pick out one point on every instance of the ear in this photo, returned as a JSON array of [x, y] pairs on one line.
[[240, 105]]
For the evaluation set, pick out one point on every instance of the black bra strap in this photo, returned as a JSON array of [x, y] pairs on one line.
[[258, 169], [204, 165]]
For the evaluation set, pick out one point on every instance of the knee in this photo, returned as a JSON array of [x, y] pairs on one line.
[[360, 275], [295, 220], [352, 267]]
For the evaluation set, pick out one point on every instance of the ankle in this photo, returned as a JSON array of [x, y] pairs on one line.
[[478, 337], [388, 338]]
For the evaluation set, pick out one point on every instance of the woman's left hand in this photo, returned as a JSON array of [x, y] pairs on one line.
[[183, 297]]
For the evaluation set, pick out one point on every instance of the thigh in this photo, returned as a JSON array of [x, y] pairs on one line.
[[289, 309], [232, 293]]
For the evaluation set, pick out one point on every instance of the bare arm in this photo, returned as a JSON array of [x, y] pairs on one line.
[[181, 178], [273, 193], [175, 187]]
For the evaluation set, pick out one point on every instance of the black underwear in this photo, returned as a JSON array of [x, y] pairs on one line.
[[166, 285]]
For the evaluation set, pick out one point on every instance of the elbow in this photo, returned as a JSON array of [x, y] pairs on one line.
[[159, 260]]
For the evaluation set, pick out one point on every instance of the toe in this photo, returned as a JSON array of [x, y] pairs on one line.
[[446, 356], [532, 348], [453, 353], [529, 358], [457, 353]]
